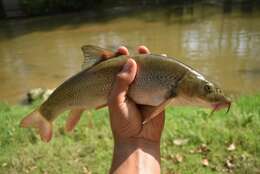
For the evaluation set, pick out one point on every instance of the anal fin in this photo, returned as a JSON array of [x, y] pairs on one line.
[[101, 106], [73, 119]]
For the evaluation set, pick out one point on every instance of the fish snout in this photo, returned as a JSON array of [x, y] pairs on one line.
[[221, 105]]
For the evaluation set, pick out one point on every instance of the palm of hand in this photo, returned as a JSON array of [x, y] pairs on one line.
[[126, 122]]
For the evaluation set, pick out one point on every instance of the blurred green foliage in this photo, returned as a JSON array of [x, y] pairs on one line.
[[2, 13], [41, 7]]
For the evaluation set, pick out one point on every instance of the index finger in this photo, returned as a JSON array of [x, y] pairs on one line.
[[122, 50]]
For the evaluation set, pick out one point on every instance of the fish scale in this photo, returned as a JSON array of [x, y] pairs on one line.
[[158, 81]]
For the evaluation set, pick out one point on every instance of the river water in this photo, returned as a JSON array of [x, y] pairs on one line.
[[44, 51]]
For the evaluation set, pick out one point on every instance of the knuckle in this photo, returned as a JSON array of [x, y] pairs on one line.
[[122, 77]]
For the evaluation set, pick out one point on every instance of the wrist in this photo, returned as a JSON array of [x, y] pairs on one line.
[[136, 155], [136, 143]]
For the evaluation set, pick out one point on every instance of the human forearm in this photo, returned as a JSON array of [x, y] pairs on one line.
[[133, 155], [136, 155]]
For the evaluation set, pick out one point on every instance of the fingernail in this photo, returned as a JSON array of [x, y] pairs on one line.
[[143, 50], [122, 50]]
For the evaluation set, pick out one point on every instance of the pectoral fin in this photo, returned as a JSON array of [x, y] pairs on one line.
[[100, 107], [73, 119], [152, 111]]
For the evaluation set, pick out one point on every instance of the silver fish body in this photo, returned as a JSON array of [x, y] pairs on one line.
[[159, 80], [156, 80]]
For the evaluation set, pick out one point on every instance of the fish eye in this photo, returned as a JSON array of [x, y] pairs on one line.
[[207, 88]]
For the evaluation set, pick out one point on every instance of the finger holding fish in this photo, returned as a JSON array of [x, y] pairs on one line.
[[76, 114], [157, 80], [126, 117]]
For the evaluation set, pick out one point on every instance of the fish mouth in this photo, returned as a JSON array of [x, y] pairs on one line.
[[218, 106]]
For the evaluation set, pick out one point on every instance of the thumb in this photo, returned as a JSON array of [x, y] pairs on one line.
[[122, 82]]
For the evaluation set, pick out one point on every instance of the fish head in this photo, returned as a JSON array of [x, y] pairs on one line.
[[199, 91], [213, 96]]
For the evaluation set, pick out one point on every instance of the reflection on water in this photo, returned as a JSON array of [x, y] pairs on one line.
[[43, 52]]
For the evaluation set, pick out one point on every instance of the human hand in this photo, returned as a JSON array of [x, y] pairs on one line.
[[126, 117]]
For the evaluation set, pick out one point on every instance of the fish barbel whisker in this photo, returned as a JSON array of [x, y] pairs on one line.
[[228, 108], [219, 106], [158, 80]]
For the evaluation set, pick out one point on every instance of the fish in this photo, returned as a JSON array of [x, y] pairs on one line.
[[159, 81]]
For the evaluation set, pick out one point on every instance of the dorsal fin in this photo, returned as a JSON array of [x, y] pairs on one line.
[[94, 54]]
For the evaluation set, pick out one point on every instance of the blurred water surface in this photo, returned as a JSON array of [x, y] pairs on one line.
[[222, 44]]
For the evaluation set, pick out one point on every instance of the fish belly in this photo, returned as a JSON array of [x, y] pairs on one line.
[[90, 88]]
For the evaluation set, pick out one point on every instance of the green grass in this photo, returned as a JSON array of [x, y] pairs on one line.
[[89, 148]]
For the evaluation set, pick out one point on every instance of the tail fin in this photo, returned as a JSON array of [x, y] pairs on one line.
[[36, 120]]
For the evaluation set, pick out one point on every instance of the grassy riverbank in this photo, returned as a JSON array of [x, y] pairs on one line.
[[192, 142]]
